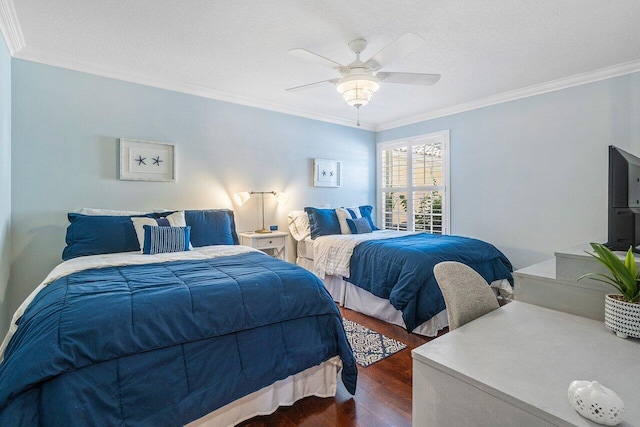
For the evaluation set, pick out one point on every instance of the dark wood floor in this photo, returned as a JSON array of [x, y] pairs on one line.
[[383, 397]]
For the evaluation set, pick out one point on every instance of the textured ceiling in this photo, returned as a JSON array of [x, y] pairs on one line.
[[239, 48]]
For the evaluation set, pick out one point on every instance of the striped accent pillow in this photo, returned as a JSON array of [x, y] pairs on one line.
[[159, 239], [175, 219]]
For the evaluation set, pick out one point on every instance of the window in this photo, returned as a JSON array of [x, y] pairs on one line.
[[413, 183]]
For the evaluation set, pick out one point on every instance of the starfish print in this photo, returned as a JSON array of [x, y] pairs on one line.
[[331, 173], [324, 173], [157, 161], [140, 160]]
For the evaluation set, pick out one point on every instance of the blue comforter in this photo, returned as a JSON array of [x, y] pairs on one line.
[[164, 344], [401, 270]]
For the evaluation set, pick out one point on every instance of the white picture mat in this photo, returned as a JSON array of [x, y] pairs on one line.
[[327, 173], [146, 160]]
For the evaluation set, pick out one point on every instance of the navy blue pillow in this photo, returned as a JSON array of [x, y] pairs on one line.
[[365, 211], [211, 227], [323, 222], [359, 225], [99, 234]]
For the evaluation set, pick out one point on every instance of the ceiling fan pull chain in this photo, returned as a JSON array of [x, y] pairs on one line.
[[358, 108]]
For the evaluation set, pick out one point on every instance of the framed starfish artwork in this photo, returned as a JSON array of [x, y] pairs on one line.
[[326, 173], [146, 160]]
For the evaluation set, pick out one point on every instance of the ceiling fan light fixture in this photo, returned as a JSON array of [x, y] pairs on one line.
[[358, 91], [358, 82]]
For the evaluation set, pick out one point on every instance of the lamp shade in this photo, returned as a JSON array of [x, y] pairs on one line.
[[241, 198]]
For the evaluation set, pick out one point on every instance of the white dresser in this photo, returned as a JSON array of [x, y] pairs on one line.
[[513, 366]]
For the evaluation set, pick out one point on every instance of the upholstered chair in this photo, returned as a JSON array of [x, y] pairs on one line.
[[466, 293]]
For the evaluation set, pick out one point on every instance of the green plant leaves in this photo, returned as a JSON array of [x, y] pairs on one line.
[[630, 263], [624, 275]]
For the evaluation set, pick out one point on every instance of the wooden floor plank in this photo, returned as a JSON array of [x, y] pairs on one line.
[[383, 397], [375, 403]]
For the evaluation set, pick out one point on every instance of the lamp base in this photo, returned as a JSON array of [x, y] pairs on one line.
[[263, 231]]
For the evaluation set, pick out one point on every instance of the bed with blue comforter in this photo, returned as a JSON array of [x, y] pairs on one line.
[[401, 270], [165, 343]]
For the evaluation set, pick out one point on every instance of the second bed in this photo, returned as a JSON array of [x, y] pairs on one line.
[[389, 274]]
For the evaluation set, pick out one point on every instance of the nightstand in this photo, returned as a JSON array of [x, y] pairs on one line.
[[274, 244]]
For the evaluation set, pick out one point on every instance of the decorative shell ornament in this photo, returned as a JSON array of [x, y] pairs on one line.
[[596, 402]]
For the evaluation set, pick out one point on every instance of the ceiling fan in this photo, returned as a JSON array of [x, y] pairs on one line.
[[361, 79]]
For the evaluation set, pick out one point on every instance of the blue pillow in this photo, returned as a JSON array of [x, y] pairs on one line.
[[359, 225], [211, 227], [99, 234], [162, 239], [323, 222], [365, 211]]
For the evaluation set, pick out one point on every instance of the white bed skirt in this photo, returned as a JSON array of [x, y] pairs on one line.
[[357, 299], [321, 381]]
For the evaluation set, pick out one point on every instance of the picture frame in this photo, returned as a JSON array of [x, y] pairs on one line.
[[327, 173], [146, 160]]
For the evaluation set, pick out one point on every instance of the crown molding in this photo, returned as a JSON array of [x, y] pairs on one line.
[[178, 86], [192, 89], [10, 27], [12, 32], [551, 86]]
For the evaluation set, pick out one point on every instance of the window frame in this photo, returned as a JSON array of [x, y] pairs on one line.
[[445, 188]]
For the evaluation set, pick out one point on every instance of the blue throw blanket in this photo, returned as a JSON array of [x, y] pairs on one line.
[[401, 270], [164, 344]]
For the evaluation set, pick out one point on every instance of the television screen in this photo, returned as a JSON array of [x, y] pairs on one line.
[[624, 200]]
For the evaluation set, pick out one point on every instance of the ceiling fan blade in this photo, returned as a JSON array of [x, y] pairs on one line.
[[310, 56], [310, 85], [396, 49], [409, 78]]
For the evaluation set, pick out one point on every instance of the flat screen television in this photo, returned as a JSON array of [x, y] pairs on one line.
[[624, 200]]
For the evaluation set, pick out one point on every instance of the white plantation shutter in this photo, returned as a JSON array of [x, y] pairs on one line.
[[413, 176]]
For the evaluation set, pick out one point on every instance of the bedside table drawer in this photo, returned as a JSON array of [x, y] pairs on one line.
[[274, 244], [271, 242]]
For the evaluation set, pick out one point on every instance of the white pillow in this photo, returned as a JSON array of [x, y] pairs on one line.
[[355, 210], [299, 225], [342, 215], [107, 212], [176, 219]]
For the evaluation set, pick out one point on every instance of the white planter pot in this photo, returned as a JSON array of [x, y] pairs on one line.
[[622, 317]]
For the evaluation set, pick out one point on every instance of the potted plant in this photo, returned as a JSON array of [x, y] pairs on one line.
[[621, 311]]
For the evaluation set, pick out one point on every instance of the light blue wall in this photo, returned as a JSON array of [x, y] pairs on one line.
[[530, 175], [5, 179], [65, 127], [527, 175]]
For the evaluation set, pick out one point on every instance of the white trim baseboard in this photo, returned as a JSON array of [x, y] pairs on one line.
[[10, 27]]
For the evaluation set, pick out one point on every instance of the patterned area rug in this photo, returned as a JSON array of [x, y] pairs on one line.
[[369, 346]]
